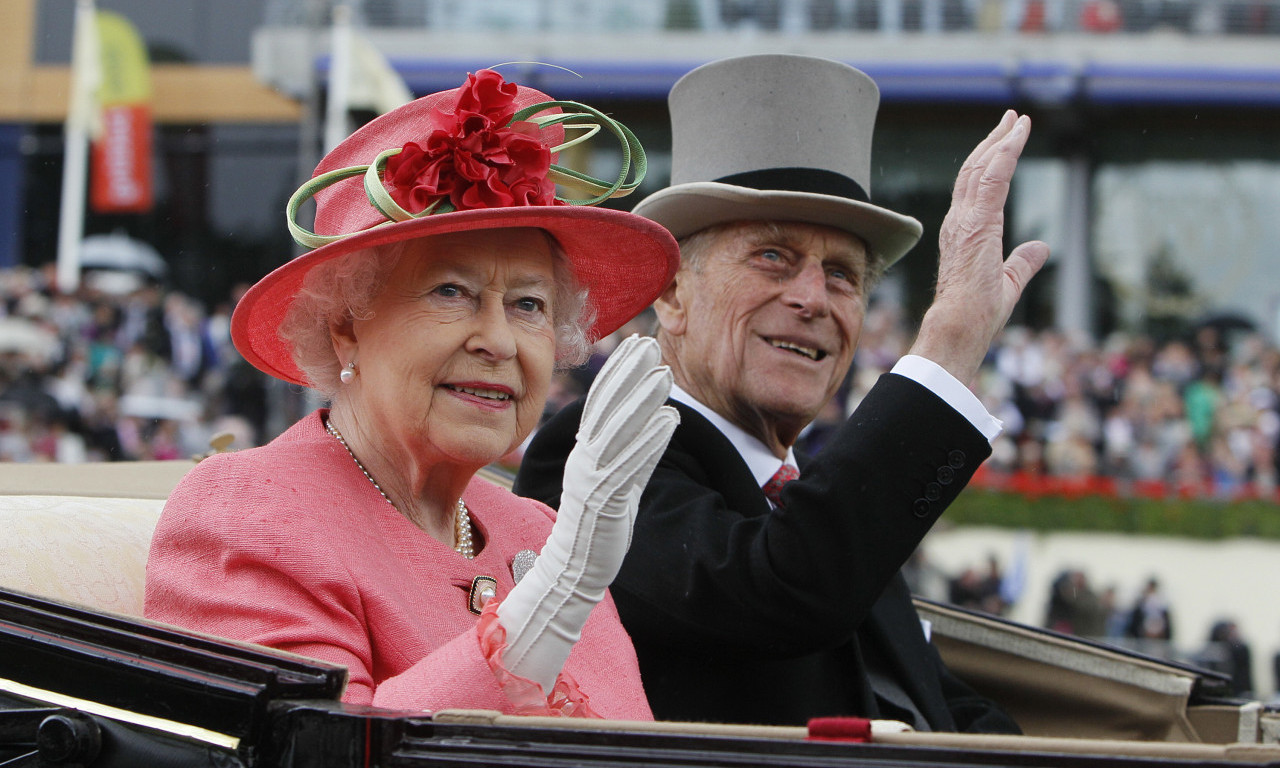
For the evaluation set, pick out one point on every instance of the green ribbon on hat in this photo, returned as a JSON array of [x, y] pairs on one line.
[[633, 156]]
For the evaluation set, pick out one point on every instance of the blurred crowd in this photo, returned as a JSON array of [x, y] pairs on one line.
[[1075, 605], [120, 370], [146, 373], [131, 371], [1198, 415], [1048, 17], [1029, 16]]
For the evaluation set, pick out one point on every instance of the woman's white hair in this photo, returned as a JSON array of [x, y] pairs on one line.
[[344, 289]]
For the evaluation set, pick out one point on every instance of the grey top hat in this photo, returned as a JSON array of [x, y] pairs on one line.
[[781, 138]]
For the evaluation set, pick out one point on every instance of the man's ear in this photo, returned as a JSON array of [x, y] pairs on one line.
[[671, 308]]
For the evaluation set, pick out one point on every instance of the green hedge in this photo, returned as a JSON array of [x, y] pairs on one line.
[[1197, 519]]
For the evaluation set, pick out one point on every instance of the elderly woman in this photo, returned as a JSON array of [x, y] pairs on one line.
[[446, 281]]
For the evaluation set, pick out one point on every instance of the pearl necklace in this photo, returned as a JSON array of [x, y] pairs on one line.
[[462, 540]]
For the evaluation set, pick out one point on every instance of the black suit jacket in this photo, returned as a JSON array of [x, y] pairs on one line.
[[743, 613]]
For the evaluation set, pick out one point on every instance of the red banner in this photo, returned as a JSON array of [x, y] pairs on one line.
[[120, 166], [121, 161]]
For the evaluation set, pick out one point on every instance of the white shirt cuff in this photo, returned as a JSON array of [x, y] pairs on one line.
[[935, 378]]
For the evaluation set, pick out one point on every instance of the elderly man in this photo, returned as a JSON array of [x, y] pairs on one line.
[[750, 605]]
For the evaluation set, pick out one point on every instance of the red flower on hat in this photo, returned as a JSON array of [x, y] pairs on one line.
[[480, 159]]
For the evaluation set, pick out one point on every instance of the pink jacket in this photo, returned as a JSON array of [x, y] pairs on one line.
[[290, 546]]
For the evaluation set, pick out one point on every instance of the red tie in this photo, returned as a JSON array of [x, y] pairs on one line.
[[773, 489]]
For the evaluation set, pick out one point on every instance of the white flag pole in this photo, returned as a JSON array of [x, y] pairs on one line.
[[337, 124], [375, 84], [85, 78]]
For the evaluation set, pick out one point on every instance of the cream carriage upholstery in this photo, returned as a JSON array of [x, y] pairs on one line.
[[79, 533]]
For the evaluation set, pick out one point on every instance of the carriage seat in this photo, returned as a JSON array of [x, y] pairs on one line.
[[79, 533]]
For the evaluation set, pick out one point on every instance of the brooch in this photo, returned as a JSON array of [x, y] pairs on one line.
[[522, 563], [483, 589]]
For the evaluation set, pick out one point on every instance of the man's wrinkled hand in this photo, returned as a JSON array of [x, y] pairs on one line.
[[977, 286]]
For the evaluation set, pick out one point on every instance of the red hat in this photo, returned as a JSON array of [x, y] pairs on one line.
[[476, 157]]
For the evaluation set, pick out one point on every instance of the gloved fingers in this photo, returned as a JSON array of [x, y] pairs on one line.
[[637, 467], [649, 449], [594, 542], [636, 459], [630, 359], [633, 357], [633, 508], [631, 415]]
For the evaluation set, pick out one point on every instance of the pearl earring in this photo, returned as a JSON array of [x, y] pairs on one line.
[[348, 373]]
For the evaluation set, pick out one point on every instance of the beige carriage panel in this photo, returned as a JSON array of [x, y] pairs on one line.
[[83, 550], [1057, 687], [120, 479]]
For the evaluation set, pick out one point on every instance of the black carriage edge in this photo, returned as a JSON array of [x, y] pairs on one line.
[[80, 687]]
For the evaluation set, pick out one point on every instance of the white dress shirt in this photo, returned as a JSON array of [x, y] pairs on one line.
[[928, 374]]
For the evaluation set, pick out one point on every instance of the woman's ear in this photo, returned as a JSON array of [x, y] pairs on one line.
[[342, 333], [670, 308]]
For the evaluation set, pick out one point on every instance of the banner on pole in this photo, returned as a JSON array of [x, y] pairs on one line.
[[83, 120], [120, 175]]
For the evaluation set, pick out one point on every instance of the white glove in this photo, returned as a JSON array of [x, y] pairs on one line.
[[624, 430]]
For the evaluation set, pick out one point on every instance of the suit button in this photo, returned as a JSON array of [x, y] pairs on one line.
[[921, 508], [956, 458], [933, 491], [946, 474]]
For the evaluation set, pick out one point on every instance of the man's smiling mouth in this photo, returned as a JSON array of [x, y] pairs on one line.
[[809, 352], [488, 394]]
